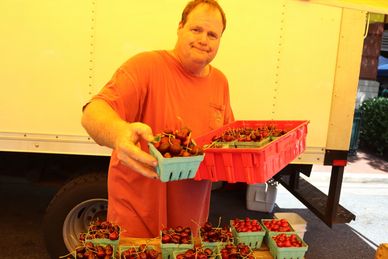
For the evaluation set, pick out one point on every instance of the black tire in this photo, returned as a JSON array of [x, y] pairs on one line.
[[78, 202]]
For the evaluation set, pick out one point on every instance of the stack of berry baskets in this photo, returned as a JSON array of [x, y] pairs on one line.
[[287, 246], [197, 252], [103, 233], [212, 237], [142, 251], [276, 226], [175, 239], [248, 231], [178, 155]]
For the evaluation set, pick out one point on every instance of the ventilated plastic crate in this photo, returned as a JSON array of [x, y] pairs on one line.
[[175, 168], [253, 239], [252, 164], [287, 252]]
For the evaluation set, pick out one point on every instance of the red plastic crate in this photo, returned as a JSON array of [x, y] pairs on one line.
[[252, 165]]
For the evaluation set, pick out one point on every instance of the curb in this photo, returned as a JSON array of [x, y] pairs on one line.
[[352, 178]]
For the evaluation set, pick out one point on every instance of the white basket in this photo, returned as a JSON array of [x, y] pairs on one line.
[[296, 221]]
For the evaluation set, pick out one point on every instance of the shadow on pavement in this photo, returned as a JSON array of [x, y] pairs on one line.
[[366, 156]]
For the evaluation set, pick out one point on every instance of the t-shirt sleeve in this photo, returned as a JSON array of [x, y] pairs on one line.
[[126, 90]]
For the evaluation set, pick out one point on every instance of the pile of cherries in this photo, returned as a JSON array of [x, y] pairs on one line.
[[231, 251], [284, 240], [248, 134], [213, 234], [197, 253], [177, 143], [177, 235], [247, 225], [140, 252], [277, 225], [93, 251], [101, 229]]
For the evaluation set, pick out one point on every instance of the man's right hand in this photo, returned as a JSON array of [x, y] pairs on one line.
[[130, 154], [106, 128]]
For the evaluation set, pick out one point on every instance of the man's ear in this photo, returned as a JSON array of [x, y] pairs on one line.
[[180, 26]]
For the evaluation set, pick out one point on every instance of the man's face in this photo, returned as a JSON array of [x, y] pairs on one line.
[[199, 38]]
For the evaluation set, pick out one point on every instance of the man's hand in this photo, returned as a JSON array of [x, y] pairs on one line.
[[129, 152], [106, 128]]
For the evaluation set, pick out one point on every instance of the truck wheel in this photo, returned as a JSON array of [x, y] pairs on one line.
[[69, 213]]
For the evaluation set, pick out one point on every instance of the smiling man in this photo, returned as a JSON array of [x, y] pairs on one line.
[[151, 92]]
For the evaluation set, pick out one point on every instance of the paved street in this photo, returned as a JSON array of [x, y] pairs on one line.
[[365, 195]]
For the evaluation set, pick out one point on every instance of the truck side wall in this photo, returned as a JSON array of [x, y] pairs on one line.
[[281, 58]]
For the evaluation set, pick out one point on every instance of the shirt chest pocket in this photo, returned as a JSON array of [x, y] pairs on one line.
[[216, 115]]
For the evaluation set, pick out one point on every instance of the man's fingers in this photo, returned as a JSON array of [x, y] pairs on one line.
[[137, 154], [143, 130], [139, 167]]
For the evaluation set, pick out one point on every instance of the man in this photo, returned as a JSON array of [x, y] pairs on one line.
[[151, 92]]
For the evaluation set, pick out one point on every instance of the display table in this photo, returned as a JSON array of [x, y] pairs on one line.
[[263, 253]]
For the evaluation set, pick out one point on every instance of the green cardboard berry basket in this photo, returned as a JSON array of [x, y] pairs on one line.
[[169, 248], [269, 233], [253, 239], [74, 253], [104, 242], [123, 248], [257, 144], [214, 249], [175, 168], [241, 144], [287, 252], [213, 245]]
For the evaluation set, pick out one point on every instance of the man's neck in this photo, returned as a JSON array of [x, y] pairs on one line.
[[193, 69]]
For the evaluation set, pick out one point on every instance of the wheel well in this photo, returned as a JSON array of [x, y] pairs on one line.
[[38, 167]]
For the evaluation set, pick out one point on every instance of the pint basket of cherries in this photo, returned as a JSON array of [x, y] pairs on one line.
[[287, 246], [175, 239], [89, 250], [197, 253], [142, 251], [248, 231], [276, 226], [212, 237], [178, 155], [102, 232], [232, 251]]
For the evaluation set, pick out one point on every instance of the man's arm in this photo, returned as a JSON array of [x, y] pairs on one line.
[[106, 128]]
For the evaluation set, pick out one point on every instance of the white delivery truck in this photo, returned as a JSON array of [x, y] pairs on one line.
[[285, 60]]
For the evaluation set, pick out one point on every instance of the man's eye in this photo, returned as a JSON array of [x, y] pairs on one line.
[[212, 36], [195, 30]]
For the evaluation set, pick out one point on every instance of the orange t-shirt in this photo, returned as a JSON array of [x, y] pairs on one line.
[[153, 88]]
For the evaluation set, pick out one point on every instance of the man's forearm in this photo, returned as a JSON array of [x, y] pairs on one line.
[[102, 123]]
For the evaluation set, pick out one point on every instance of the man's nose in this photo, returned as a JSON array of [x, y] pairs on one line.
[[203, 39]]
